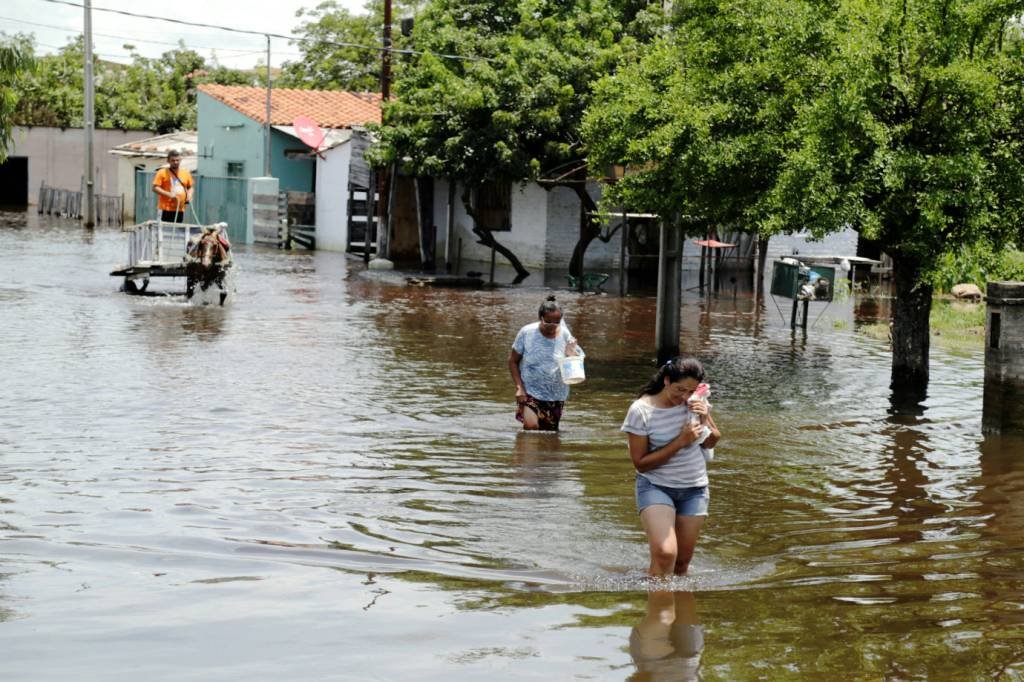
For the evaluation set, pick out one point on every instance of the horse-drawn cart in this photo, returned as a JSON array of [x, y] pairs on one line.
[[199, 253]]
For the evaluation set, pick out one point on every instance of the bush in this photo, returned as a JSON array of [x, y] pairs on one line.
[[977, 264]]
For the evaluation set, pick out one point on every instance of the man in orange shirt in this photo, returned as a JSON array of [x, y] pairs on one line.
[[174, 185]]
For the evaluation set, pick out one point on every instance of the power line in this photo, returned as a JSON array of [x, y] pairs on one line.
[[269, 34], [78, 31]]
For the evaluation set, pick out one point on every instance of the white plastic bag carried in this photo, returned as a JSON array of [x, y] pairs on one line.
[[571, 364], [571, 367]]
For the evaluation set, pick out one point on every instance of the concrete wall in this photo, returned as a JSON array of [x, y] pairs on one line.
[[332, 198], [526, 239], [295, 175], [225, 135], [56, 156], [800, 245], [545, 228], [563, 233]]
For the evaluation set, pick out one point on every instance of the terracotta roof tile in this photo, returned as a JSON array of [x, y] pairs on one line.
[[329, 108]]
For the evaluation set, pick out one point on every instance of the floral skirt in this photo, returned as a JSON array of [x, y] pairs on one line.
[[549, 412]]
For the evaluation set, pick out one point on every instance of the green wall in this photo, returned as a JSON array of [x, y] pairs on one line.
[[226, 135]]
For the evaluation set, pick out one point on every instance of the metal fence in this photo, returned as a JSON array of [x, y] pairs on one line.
[[215, 200], [155, 242], [68, 203]]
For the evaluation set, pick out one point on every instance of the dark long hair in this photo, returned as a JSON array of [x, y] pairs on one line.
[[676, 369], [550, 305]]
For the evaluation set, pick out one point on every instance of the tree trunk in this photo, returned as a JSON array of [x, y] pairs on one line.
[[486, 237], [910, 331], [589, 229]]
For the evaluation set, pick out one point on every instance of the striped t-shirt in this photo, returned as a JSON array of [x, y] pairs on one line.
[[686, 468]]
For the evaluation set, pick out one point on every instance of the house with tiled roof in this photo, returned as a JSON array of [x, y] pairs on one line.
[[232, 127], [232, 130]]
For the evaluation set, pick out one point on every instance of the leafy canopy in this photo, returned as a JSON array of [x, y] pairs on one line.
[[325, 64], [512, 109], [147, 94], [902, 119], [15, 65]]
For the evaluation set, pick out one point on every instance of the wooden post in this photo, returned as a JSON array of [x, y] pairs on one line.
[[385, 252], [670, 283], [622, 253], [757, 268], [449, 228], [371, 192], [703, 258]]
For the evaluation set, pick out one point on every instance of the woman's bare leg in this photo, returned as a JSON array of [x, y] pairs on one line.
[[659, 524], [687, 530], [530, 419]]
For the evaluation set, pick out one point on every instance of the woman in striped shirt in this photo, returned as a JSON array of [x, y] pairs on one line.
[[669, 451]]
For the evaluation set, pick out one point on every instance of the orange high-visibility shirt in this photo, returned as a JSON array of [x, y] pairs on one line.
[[178, 186]]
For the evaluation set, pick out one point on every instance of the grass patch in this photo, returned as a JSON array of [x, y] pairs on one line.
[[954, 325]]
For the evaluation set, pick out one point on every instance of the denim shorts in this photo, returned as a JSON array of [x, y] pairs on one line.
[[687, 501]]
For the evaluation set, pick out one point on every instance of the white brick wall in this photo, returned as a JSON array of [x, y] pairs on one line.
[[545, 228], [564, 231], [836, 244]]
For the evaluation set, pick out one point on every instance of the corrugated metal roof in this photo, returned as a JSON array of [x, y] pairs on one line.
[[185, 141]]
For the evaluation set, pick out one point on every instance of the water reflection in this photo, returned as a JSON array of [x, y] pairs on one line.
[[1001, 482], [363, 426], [904, 480], [205, 322], [668, 641]]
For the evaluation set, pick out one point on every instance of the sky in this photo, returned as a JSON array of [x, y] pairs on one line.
[[54, 24]]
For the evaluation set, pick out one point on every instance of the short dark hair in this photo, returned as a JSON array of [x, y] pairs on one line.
[[171, 153]]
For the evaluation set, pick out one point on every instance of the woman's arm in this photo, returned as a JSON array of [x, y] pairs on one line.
[[645, 461], [514, 358], [714, 436]]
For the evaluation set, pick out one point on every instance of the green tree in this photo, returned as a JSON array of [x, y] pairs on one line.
[[15, 63], [512, 109], [156, 94], [326, 63], [901, 119]]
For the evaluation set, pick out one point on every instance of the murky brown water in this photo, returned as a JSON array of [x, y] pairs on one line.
[[324, 480]]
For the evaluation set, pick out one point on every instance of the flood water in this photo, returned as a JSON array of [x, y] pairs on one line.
[[324, 480]]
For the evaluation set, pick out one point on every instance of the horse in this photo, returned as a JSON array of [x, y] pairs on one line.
[[208, 261]]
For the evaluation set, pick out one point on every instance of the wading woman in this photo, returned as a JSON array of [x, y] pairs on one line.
[[669, 448], [533, 364]]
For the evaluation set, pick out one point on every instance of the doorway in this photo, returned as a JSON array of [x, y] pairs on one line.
[[14, 181]]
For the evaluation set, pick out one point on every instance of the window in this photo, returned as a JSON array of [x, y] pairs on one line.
[[494, 205], [236, 169]]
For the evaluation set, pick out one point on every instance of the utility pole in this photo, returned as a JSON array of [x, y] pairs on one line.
[[382, 179], [385, 56], [266, 129], [89, 217]]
